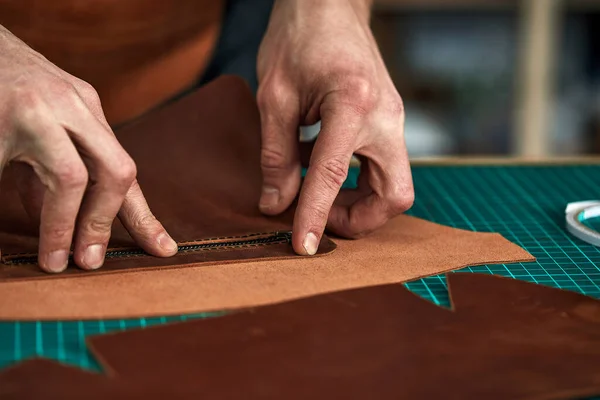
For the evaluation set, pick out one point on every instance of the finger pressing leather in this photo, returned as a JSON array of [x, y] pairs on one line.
[[58, 165], [132, 209], [111, 172], [326, 173], [280, 159], [146, 230]]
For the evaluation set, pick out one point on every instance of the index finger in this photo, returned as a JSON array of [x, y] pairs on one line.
[[327, 171]]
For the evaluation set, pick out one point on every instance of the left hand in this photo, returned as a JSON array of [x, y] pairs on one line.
[[319, 61]]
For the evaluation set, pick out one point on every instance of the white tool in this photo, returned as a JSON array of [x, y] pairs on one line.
[[578, 212]]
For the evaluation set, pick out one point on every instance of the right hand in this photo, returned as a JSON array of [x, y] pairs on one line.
[[73, 176]]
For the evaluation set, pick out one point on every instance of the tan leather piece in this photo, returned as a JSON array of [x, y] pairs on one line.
[[136, 53], [503, 339], [405, 249], [199, 169], [199, 166]]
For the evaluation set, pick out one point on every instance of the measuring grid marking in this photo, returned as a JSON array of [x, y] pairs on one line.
[[523, 203], [571, 240], [490, 229], [554, 190], [545, 251]]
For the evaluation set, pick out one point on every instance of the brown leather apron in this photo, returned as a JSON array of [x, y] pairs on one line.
[[136, 53]]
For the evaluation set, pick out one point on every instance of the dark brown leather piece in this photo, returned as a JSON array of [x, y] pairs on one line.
[[503, 339], [199, 166]]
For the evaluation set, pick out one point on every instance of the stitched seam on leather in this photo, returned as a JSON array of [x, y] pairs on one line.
[[7, 259], [187, 243], [185, 252]]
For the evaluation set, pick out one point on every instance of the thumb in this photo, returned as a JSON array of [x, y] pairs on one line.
[[280, 159]]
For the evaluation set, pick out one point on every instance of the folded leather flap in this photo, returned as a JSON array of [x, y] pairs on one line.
[[198, 162]]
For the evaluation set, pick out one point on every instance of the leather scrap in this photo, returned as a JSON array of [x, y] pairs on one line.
[[502, 339]]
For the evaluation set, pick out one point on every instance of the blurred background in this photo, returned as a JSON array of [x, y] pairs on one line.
[[478, 77], [495, 77]]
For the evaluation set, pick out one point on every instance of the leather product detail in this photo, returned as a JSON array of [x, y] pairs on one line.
[[198, 162], [199, 166], [502, 339], [406, 248]]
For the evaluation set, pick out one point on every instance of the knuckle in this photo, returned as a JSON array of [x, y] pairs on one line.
[[333, 172], [87, 91], [400, 200], [71, 175], [396, 106], [261, 96], [273, 158], [59, 232], [99, 225], [123, 173], [143, 220], [391, 118], [271, 95], [32, 97], [362, 93], [66, 92], [62, 89]]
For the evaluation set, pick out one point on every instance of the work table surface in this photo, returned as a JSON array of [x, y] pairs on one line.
[[524, 202]]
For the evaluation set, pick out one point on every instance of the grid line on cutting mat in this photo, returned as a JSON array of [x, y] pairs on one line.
[[523, 203]]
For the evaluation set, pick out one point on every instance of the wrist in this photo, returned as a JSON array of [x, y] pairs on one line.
[[307, 8], [362, 8]]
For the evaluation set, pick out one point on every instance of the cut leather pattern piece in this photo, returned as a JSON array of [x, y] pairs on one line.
[[406, 248], [502, 339], [198, 162]]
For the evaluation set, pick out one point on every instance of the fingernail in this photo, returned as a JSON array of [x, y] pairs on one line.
[[269, 197], [57, 260], [93, 257], [310, 244], [167, 243]]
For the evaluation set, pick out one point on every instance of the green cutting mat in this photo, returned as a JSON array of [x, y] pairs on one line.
[[525, 204]]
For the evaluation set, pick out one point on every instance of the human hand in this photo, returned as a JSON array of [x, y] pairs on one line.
[[73, 176], [319, 61]]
